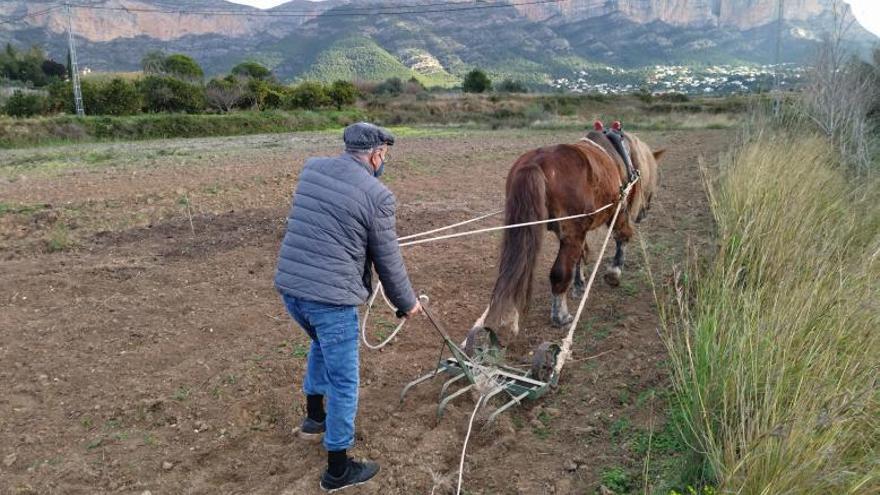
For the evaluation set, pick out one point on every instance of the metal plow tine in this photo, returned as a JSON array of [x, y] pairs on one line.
[[448, 383], [445, 402], [515, 400], [417, 381]]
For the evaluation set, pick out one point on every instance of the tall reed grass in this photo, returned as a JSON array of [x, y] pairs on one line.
[[775, 342]]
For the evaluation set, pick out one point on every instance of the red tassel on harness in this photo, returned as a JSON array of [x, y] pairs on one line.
[[598, 125], [616, 125]]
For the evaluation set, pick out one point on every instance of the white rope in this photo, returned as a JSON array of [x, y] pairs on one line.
[[400, 326], [466, 438], [367, 316], [565, 351], [459, 224], [505, 227]]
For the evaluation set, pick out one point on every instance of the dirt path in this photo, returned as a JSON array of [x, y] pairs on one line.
[[142, 346]]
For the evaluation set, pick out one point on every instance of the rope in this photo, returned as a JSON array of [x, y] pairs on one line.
[[466, 438], [503, 227], [565, 351], [459, 224], [367, 316], [400, 326]]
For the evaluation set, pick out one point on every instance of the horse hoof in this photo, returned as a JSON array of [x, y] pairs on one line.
[[612, 277]]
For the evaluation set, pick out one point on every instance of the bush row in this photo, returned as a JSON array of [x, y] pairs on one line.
[[66, 128], [159, 93]]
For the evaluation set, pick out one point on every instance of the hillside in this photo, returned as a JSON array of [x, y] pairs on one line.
[[534, 43]]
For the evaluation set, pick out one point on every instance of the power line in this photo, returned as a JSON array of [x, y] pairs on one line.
[[329, 13], [34, 14]]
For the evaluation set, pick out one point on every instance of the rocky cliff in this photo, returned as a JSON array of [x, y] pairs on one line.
[[528, 42]]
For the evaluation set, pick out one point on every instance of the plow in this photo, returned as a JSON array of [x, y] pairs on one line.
[[480, 361]]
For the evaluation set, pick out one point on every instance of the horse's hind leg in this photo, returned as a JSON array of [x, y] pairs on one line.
[[622, 236], [579, 286], [560, 279]]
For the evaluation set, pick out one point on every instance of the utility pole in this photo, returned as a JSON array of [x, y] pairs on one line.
[[777, 102], [74, 68]]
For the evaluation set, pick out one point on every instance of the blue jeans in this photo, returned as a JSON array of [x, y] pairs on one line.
[[333, 369]]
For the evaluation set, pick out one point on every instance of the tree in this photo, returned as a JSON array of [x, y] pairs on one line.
[[167, 94], [183, 67], [117, 97], [252, 70], [22, 104], [476, 81], [53, 69], [342, 93], [308, 95], [153, 63], [225, 94], [839, 96]]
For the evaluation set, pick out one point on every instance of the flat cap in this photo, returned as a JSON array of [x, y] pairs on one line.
[[364, 136]]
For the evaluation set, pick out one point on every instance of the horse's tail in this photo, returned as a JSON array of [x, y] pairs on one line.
[[526, 202]]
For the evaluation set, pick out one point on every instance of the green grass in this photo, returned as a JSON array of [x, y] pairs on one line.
[[774, 343], [181, 394], [617, 480], [59, 239], [150, 440], [20, 208]]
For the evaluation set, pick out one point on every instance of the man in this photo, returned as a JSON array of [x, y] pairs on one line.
[[342, 222]]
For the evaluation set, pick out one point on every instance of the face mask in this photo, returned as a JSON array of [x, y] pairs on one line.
[[379, 171]]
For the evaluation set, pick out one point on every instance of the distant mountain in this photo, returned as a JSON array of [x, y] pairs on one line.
[[435, 42]]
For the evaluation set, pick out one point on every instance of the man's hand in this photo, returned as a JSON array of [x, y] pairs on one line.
[[415, 311]]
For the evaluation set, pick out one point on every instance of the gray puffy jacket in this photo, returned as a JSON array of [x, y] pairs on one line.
[[342, 220]]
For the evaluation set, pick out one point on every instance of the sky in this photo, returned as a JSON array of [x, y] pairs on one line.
[[866, 11]]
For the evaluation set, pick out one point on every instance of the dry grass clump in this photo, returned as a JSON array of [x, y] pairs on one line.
[[775, 345]]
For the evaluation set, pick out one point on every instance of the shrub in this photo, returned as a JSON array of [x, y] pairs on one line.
[[309, 95], [511, 86], [116, 97], [342, 93], [476, 81], [167, 94], [60, 97], [274, 99], [674, 97], [22, 104], [225, 94], [392, 86]]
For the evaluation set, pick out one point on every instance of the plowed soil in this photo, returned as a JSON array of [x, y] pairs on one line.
[[143, 347]]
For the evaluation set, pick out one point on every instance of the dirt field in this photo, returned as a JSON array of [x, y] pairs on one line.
[[143, 347]]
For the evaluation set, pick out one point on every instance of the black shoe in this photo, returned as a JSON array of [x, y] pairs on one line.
[[356, 473], [311, 430]]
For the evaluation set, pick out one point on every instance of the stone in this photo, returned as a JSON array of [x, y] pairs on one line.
[[10, 459], [167, 466]]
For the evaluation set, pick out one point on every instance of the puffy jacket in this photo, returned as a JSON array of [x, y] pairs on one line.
[[341, 221]]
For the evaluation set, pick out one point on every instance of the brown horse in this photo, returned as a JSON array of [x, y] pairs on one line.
[[555, 182]]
